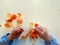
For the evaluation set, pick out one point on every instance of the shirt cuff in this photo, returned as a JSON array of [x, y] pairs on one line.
[[7, 40], [51, 42]]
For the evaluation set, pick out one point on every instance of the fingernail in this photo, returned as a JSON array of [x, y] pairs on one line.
[[22, 30], [18, 31]]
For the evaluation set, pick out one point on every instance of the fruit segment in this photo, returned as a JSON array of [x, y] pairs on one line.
[[36, 25], [9, 20], [7, 25], [19, 20], [14, 16], [33, 35]]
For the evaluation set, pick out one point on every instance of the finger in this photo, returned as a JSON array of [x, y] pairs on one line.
[[13, 32], [20, 29], [17, 30], [18, 36], [41, 28], [38, 31]]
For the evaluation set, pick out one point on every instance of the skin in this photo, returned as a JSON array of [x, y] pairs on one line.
[[42, 32], [15, 33]]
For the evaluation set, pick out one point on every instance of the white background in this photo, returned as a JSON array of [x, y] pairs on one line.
[[45, 12]]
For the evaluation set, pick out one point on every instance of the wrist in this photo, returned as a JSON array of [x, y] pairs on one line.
[[10, 37], [48, 38]]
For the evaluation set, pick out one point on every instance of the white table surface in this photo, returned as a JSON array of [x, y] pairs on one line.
[[45, 12]]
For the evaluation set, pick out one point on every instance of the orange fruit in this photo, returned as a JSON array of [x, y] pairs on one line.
[[14, 16]]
